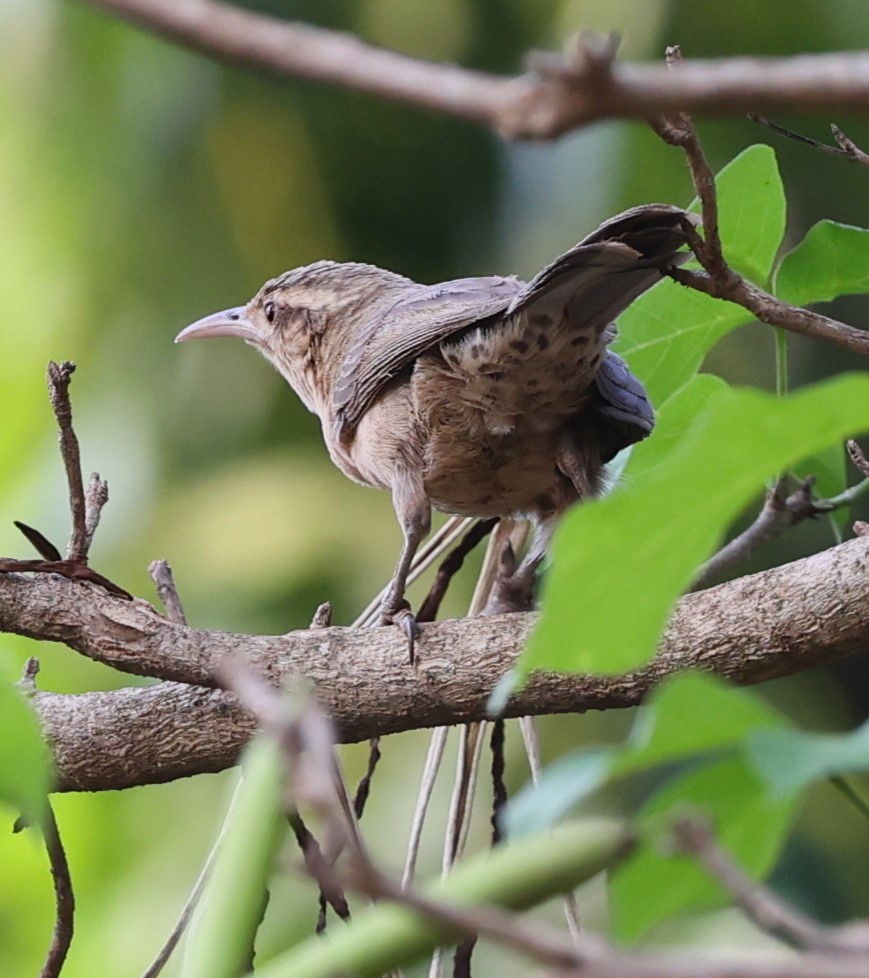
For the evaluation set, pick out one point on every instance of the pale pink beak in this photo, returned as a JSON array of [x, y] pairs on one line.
[[230, 322]]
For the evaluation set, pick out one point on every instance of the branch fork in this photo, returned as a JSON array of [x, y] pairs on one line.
[[85, 507]]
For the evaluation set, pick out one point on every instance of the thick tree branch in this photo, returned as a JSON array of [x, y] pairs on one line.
[[755, 628], [564, 94]]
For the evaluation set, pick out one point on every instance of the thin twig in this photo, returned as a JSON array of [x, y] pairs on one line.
[[330, 892], [531, 743], [472, 737], [450, 566], [63, 897], [322, 616], [535, 940], [847, 149], [73, 570], [678, 130], [85, 510], [96, 497], [774, 312], [161, 575], [783, 507], [855, 453], [433, 759], [364, 787], [694, 837], [778, 511], [718, 279], [499, 788], [59, 376]]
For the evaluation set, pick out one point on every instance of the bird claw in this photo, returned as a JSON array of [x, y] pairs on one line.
[[513, 588], [404, 618]]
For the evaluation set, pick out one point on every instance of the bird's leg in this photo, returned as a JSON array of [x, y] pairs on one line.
[[579, 461], [414, 516], [513, 588]]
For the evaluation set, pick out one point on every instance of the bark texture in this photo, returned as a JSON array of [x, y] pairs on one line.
[[758, 627]]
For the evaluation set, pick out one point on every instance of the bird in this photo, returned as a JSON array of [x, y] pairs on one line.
[[484, 396]]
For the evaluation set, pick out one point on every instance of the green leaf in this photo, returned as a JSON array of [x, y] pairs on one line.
[[831, 260], [225, 926], [666, 334], [25, 764], [752, 211], [620, 563], [694, 713], [562, 785], [652, 884], [791, 760], [688, 714], [668, 331], [674, 419]]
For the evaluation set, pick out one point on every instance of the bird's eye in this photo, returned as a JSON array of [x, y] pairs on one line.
[[269, 310]]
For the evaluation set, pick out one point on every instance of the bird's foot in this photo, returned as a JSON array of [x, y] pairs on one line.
[[513, 587], [404, 618]]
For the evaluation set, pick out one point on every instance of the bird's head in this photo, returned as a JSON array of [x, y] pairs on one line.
[[302, 321]]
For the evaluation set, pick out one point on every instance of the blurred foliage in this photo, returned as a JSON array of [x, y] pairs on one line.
[[142, 186]]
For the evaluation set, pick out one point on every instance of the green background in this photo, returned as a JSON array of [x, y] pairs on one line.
[[141, 187]]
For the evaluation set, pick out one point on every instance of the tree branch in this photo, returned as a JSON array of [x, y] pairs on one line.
[[775, 312], [718, 279], [759, 903], [564, 94], [64, 898], [770, 624]]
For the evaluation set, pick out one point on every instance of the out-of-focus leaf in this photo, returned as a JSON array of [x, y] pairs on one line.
[[652, 884], [25, 769], [790, 760], [562, 785], [620, 564], [831, 260], [687, 715], [690, 714], [673, 421], [224, 929]]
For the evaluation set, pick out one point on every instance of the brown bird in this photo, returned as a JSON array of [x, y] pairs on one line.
[[481, 396]]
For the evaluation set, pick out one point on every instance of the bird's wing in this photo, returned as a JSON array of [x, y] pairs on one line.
[[602, 275], [622, 406], [423, 317], [590, 285]]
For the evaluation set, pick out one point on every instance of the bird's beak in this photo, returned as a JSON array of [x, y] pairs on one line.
[[230, 322]]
